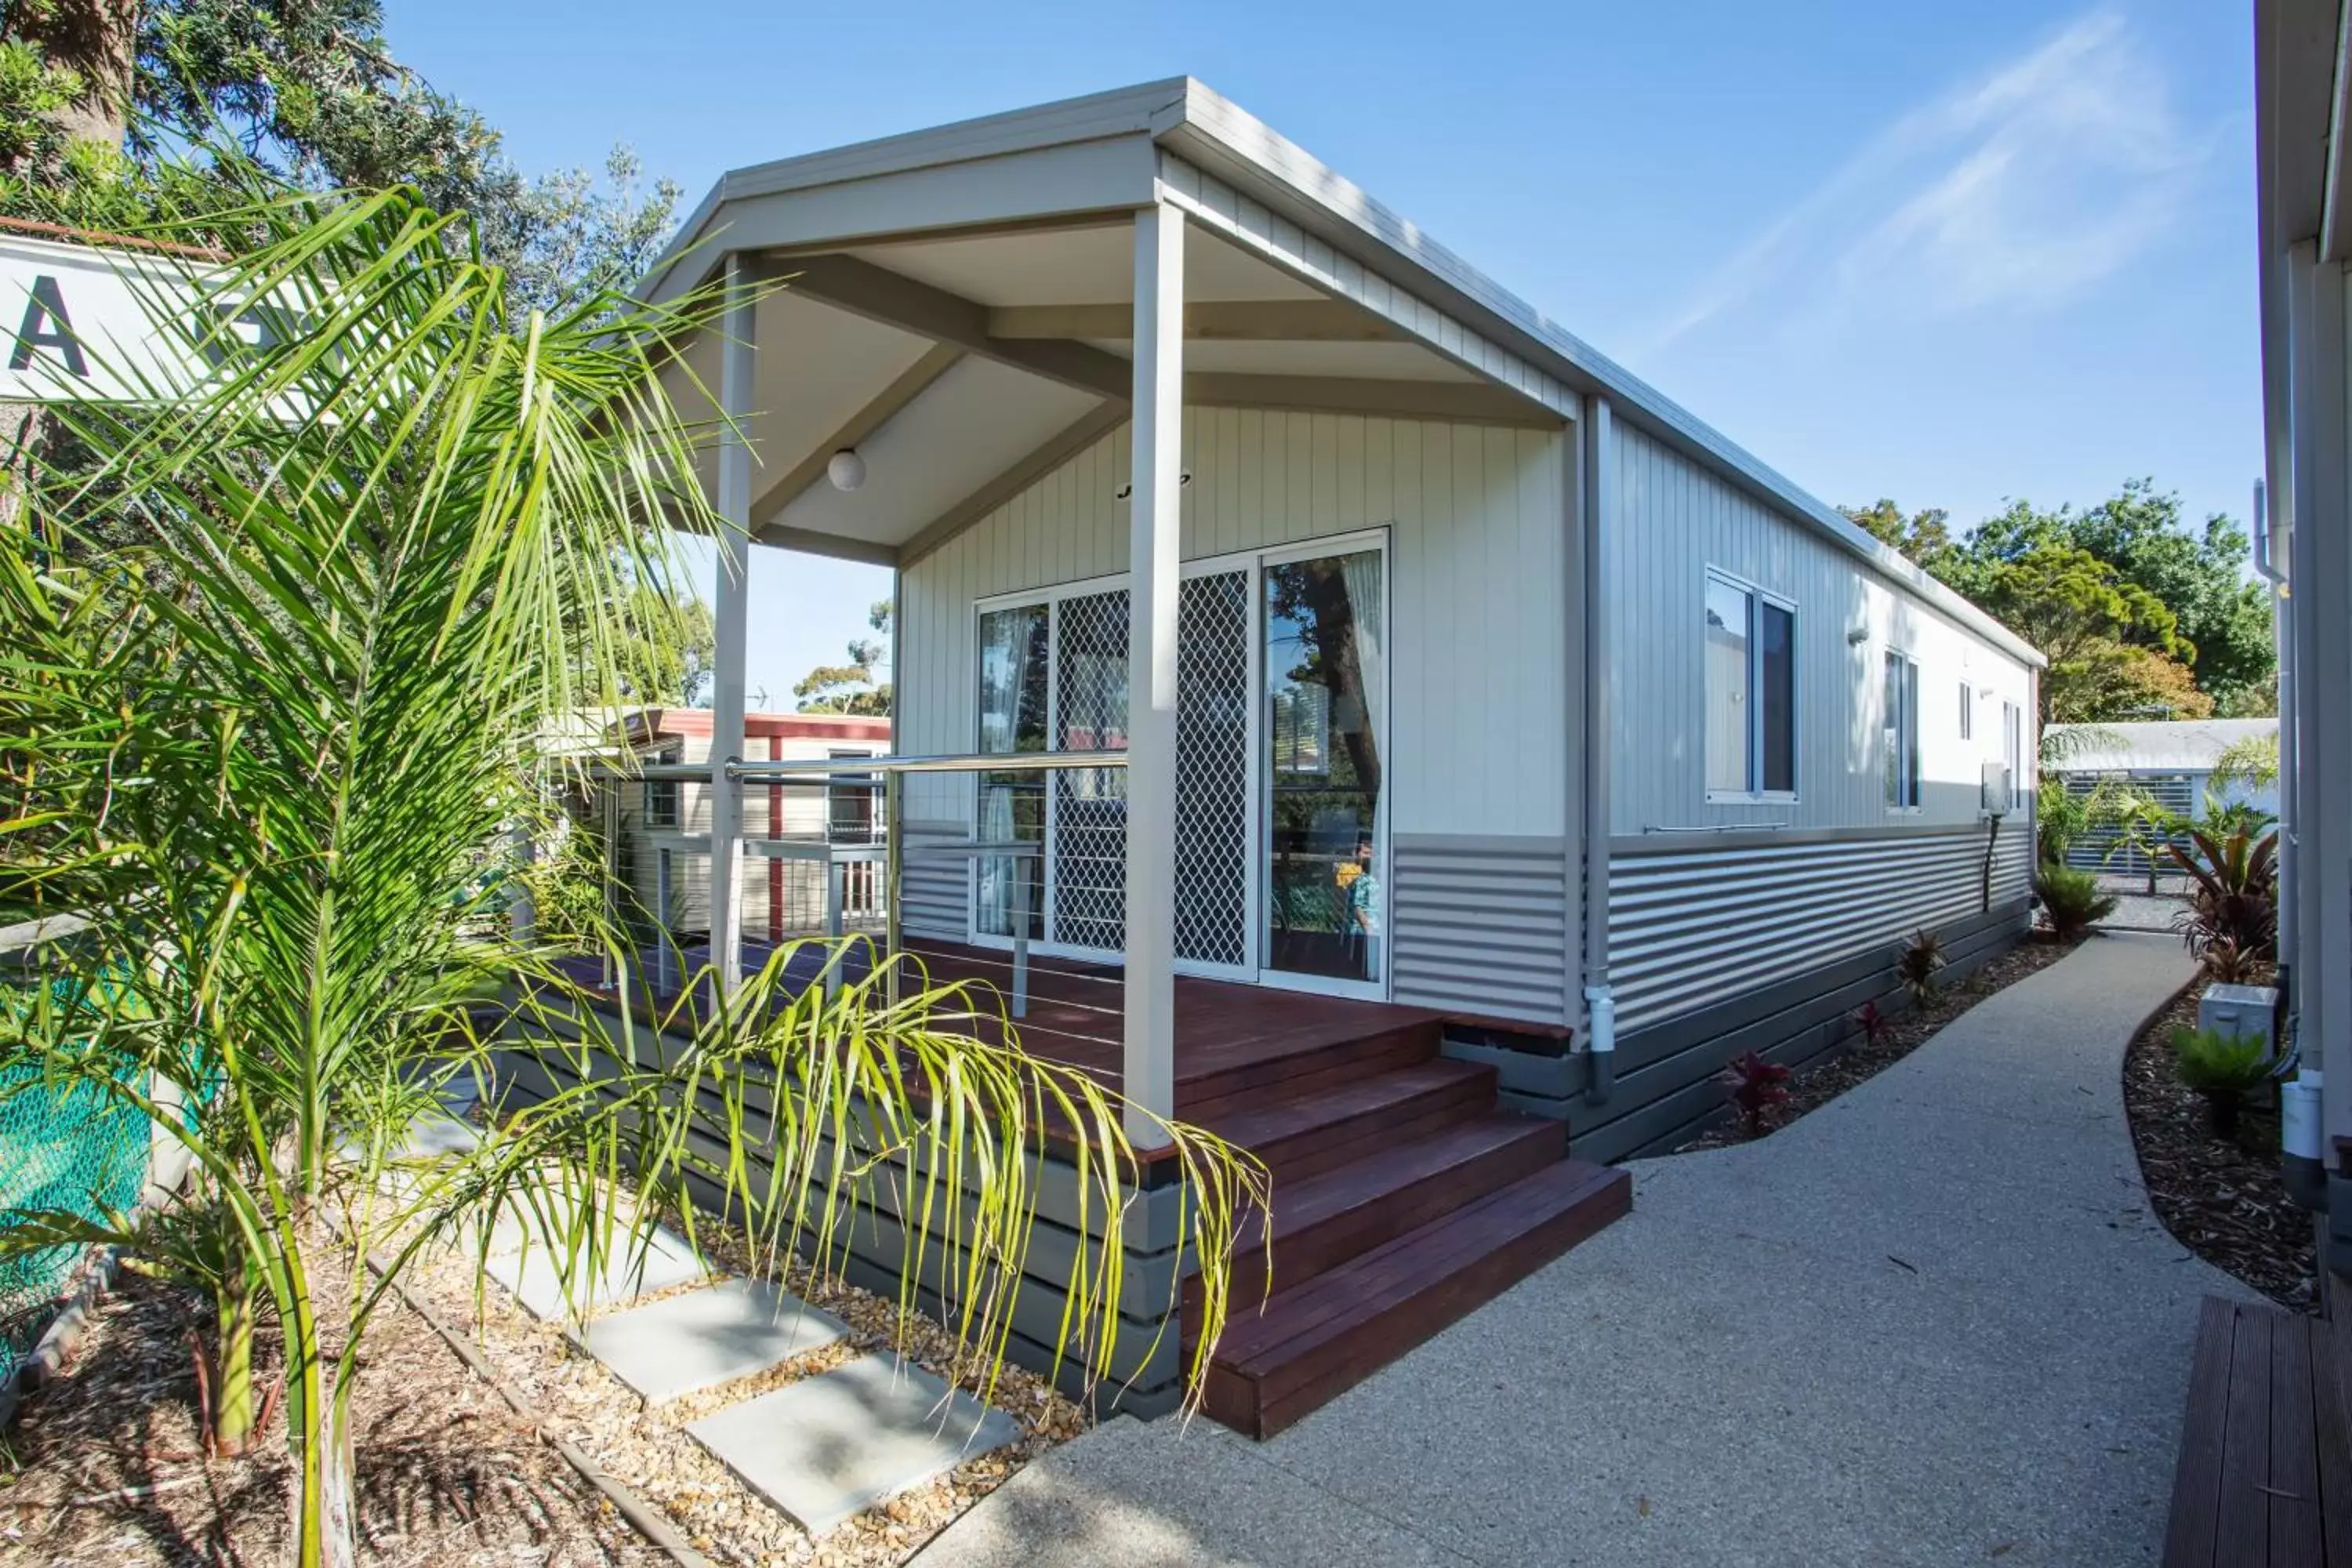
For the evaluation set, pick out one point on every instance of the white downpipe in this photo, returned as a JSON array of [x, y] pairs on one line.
[[1600, 1020]]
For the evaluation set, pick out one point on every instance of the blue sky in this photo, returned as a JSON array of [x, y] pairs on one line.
[[1946, 254]]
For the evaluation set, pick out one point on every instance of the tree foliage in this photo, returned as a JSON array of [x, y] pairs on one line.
[[852, 687], [2140, 615]]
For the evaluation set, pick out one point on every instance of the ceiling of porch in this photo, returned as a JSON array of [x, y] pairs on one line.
[[959, 368]]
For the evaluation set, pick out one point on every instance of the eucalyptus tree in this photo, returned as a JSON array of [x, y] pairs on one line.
[[261, 751]]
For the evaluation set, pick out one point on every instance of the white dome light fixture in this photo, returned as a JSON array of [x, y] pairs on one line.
[[847, 470]]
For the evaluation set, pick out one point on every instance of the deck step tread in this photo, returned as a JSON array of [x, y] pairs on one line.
[[1311, 1343], [1462, 1161], [1263, 1125]]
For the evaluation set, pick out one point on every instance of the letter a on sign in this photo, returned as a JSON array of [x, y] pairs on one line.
[[46, 326]]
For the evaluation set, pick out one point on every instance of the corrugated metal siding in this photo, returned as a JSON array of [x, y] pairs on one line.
[[1687, 928], [935, 900], [1480, 923], [1678, 522], [1476, 518]]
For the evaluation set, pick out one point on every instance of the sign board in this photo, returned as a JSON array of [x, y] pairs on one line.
[[82, 322]]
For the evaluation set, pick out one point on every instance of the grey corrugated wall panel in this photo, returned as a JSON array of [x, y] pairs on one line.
[[1692, 926], [1479, 922], [935, 900], [1674, 521]]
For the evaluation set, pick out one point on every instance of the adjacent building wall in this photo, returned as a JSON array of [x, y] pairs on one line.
[[1759, 923], [1478, 745]]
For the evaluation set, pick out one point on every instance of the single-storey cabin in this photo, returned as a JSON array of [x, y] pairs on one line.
[[1504, 748]]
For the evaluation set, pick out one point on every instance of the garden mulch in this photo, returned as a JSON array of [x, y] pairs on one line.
[[2222, 1199], [1822, 1081], [104, 1467]]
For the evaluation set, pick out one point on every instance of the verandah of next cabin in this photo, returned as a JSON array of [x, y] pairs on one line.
[[1332, 626]]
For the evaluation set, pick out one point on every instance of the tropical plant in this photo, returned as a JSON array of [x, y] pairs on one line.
[[1918, 964], [1757, 1086], [2252, 762], [265, 753], [2145, 829], [2224, 818], [2232, 893], [1873, 1022], [2071, 900], [2227, 964], [2224, 1068]]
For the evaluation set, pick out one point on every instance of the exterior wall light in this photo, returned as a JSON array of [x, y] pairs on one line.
[[847, 470]]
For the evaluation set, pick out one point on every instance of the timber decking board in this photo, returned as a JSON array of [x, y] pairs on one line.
[[2265, 1475]]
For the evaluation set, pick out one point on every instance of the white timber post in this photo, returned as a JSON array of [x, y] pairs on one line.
[[730, 622], [1159, 412]]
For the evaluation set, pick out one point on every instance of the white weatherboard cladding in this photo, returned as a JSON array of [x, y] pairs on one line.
[[1474, 519], [1677, 522]]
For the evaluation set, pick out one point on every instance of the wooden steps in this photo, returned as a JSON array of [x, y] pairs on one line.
[[1322, 1337], [1403, 1199]]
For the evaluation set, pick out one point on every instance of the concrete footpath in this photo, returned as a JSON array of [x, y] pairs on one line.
[[1932, 1322]]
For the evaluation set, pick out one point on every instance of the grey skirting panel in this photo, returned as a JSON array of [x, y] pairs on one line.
[[1479, 922], [1146, 1377], [1668, 1089], [936, 889], [1689, 927]]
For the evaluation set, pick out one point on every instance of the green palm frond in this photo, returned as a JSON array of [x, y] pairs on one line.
[[267, 754]]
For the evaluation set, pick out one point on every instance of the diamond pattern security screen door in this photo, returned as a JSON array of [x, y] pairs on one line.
[[1076, 648]]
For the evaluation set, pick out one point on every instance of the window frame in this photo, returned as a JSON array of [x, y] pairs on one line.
[[1757, 595], [1904, 727], [672, 819], [1968, 711]]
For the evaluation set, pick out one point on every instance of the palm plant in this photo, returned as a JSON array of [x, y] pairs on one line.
[[2071, 899], [2221, 1068], [2146, 828], [2232, 895], [264, 754]]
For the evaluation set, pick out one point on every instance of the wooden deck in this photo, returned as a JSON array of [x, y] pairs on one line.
[[1404, 1196], [2266, 1470]]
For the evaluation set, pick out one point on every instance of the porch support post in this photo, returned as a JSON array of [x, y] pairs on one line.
[[1159, 411], [732, 592]]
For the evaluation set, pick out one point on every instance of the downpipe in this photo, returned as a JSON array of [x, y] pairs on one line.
[[1600, 1043]]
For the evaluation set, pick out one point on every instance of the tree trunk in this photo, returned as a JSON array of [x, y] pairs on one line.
[[232, 1412], [98, 41]]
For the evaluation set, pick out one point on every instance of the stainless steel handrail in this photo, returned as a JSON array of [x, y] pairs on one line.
[[893, 770]]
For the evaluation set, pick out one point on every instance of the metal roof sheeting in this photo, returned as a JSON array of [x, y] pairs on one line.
[[2166, 746]]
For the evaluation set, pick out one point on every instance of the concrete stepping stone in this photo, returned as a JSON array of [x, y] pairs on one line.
[[535, 1277], [828, 1448], [708, 1337]]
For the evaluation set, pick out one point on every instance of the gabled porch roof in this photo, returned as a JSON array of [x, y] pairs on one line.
[[960, 301]]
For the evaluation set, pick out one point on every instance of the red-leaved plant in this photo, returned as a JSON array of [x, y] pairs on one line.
[[1757, 1086], [1871, 1022]]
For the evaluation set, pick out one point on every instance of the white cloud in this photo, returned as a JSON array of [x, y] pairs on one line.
[[2021, 189]]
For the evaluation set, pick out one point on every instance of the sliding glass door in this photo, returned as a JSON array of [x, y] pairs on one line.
[[1326, 675]]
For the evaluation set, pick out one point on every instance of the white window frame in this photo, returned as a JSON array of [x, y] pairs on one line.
[[674, 820], [1904, 731], [1755, 593]]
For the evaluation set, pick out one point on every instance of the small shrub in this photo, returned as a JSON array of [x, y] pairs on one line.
[[1873, 1022], [2227, 964], [2223, 1068], [2232, 892], [2071, 899], [1921, 961], [1757, 1086]]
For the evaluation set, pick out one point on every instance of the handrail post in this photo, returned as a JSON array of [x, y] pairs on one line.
[[893, 801]]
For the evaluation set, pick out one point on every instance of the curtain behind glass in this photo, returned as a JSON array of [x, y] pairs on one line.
[[1013, 670]]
